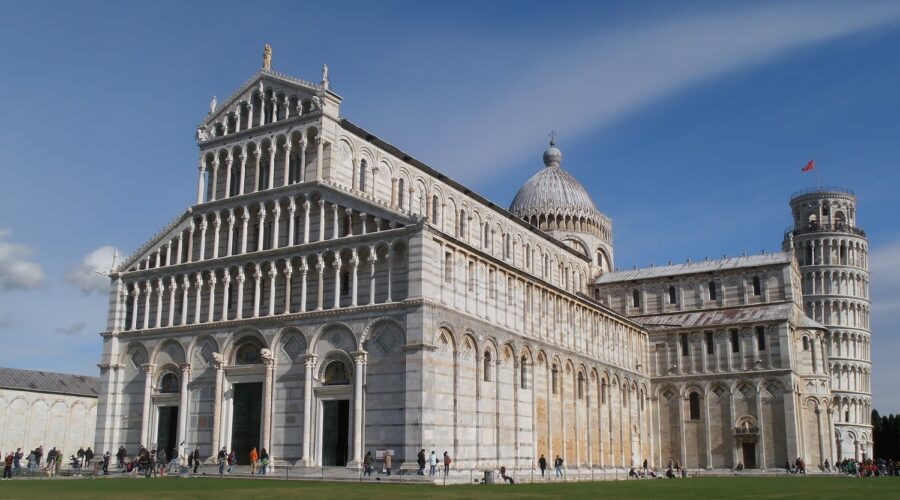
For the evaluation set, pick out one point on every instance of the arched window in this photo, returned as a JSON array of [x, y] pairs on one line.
[[362, 175], [805, 343], [435, 208], [487, 366], [603, 389], [554, 380], [523, 373], [580, 386], [169, 383], [695, 406], [672, 296], [487, 236], [757, 286], [462, 224], [712, 291], [635, 298], [345, 283], [400, 192]]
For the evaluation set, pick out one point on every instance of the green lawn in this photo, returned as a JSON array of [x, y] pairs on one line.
[[717, 488]]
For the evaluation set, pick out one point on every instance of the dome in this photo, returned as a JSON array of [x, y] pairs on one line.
[[552, 191]]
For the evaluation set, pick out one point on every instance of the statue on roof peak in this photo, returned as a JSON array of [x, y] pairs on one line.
[[267, 58]]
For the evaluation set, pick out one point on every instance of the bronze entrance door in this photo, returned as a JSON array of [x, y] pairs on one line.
[[335, 432], [749, 455], [167, 430], [246, 424]]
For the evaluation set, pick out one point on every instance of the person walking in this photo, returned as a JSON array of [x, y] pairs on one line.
[[421, 461], [254, 457], [388, 461], [58, 461], [447, 462], [120, 457], [558, 463], [542, 463], [17, 461], [232, 459], [7, 466], [264, 461], [432, 461], [88, 458], [221, 457], [367, 464], [196, 457], [106, 460]]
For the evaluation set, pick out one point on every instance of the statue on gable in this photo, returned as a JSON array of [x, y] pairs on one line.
[[267, 58], [202, 135], [213, 104], [325, 76], [316, 102]]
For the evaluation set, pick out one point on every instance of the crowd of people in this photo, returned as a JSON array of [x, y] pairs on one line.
[[79, 463], [869, 467]]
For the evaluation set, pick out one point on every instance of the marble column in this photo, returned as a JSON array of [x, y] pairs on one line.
[[307, 409], [292, 214], [185, 288], [203, 227], [257, 278], [360, 358], [273, 273], [239, 303], [145, 419], [231, 220], [269, 361], [148, 290], [321, 220], [287, 162], [215, 179], [276, 214], [245, 221], [320, 148], [226, 294], [373, 257], [306, 207], [217, 225], [159, 302], [354, 287], [135, 293], [219, 363], [337, 280], [183, 410], [304, 269], [243, 158], [262, 228], [198, 301], [229, 161], [272, 150], [201, 182], [288, 272], [320, 290], [211, 315]]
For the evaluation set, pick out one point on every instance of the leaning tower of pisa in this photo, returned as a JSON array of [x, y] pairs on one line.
[[832, 252]]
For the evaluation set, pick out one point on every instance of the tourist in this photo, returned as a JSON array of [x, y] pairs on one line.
[[196, 457], [254, 457], [558, 463], [506, 478], [388, 462], [88, 457], [220, 459], [7, 466], [827, 466], [173, 461], [79, 462], [787, 467], [264, 461], [39, 455], [542, 463], [106, 460], [17, 461], [645, 465], [232, 459], [367, 464], [447, 463], [632, 473], [670, 473], [58, 465], [421, 461], [120, 457], [432, 461], [31, 462]]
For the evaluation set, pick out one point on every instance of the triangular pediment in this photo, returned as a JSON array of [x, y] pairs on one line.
[[274, 80]]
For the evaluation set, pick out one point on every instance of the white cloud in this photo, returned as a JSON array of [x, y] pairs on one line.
[[85, 275], [578, 85], [884, 275], [72, 329], [17, 271]]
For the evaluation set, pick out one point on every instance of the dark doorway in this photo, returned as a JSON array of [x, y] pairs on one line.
[[167, 429], [335, 430], [749, 455], [247, 416]]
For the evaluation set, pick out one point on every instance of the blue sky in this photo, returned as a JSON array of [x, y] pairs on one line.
[[687, 121]]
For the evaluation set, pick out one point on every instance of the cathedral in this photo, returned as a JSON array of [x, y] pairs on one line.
[[329, 295]]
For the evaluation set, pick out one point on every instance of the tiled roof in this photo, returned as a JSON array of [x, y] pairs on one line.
[[695, 267], [49, 382], [783, 311]]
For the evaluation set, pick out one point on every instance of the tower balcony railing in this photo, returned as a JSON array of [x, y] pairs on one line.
[[823, 190], [825, 228]]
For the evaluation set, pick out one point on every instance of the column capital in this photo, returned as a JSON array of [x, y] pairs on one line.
[[307, 205], [226, 279], [218, 361], [245, 215], [217, 221], [310, 360], [240, 278], [292, 206], [276, 210], [257, 272], [321, 203], [203, 223], [185, 369], [288, 270], [148, 368], [360, 357], [231, 217], [273, 271], [198, 280]]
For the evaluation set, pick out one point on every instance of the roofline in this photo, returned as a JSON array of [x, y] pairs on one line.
[[690, 273], [366, 135], [28, 389]]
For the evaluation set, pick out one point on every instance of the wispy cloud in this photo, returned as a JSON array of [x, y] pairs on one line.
[[85, 276], [72, 329], [17, 270], [579, 85]]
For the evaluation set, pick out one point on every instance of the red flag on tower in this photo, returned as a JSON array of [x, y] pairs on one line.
[[809, 166]]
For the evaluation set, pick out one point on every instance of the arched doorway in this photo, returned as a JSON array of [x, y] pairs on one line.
[[336, 376]]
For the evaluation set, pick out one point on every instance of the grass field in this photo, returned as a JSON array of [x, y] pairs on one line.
[[717, 488]]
